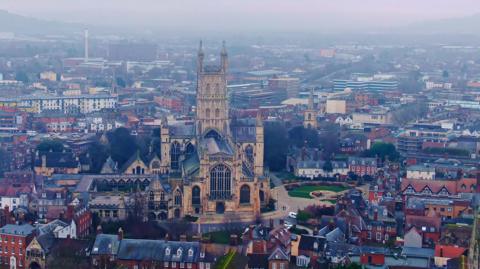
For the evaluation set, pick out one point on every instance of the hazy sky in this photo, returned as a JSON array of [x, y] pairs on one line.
[[245, 14]]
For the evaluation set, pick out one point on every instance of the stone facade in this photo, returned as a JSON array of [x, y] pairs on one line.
[[216, 164]]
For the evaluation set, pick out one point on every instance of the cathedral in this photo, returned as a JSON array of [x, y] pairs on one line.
[[214, 165]]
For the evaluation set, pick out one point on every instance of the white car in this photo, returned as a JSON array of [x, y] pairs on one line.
[[292, 215]]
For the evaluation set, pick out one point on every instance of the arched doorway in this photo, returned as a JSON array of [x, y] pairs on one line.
[[245, 194], [196, 195], [220, 208], [176, 213], [152, 216], [162, 215]]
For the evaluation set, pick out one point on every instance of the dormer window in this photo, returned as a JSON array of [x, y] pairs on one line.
[[44, 195], [59, 195], [167, 251], [179, 252], [190, 252]]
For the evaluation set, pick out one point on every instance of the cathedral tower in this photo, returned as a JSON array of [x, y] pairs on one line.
[[212, 104], [310, 115]]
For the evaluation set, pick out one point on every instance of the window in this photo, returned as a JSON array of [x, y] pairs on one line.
[[220, 182], [245, 194], [174, 264], [249, 154], [179, 252], [175, 156], [196, 195], [282, 266], [178, 198], [162, 196], [167, 251], [207, 113], [182, 265], [165, 264], [274, 265], [379, 236], [217, 113]]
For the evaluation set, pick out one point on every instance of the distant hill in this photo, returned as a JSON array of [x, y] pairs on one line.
[[462, 25], [18, 24]]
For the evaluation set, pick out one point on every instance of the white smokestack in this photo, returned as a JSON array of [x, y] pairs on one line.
[[86, 45]]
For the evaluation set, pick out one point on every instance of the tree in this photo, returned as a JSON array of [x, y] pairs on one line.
[[329, 139], [50, 145], [383, 151], [21, 76], [276, 146], [327, 166], [98, 155], [122, 145], [445, 74], [299, 136], [121, 82]]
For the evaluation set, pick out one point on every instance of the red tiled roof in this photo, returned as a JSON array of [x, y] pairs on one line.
[[449, 251], [453, 186], [423, 221]]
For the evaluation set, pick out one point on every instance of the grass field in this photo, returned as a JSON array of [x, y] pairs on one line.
[[304, 191], [224, 261]]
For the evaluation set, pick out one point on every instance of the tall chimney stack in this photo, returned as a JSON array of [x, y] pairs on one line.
[[86, 46]]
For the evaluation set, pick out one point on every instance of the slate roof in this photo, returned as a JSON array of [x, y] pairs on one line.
[[307, 242], [216, 145], [106, 244], [278, 254], [132, 159], [191, 165], [15, 229], [158, 250], [58, 159]]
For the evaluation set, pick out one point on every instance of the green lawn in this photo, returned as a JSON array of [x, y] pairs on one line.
[[225, 260], [304, 191], [221, 237]]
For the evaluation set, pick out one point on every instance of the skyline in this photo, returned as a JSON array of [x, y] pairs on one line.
[[249, 16]]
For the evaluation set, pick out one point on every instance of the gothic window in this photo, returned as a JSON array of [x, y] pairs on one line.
[[196, 195], [178, 198], [207, 113], [309, 116], [217, 88], [207, 88], [213, 134], [249, 153], [162, 196], [189, 150], [261, 195], [220, 182], [217, 113], [245, 194], [151, 196], [175, 155]]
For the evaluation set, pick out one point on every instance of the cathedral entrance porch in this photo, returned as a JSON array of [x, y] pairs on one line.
[[220, 208]]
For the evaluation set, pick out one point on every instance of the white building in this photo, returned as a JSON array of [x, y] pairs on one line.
[[421, 172], [81, 103], [314, 169]]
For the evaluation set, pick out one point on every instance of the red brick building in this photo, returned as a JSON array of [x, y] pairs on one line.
[[14, 241]]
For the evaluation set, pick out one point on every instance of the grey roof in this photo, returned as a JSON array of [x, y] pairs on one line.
[[58, 159], [191, 165], [418, 252], [217, 146], [307, 242], [181, 130], [278, 254], [105, 244], [15, 229], [51, 226], [158, 250]]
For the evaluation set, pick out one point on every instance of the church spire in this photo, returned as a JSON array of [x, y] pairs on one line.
[[224, 57], [310, 100], [200, 58]]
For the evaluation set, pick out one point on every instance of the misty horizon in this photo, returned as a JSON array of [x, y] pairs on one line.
[[246, 16]]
